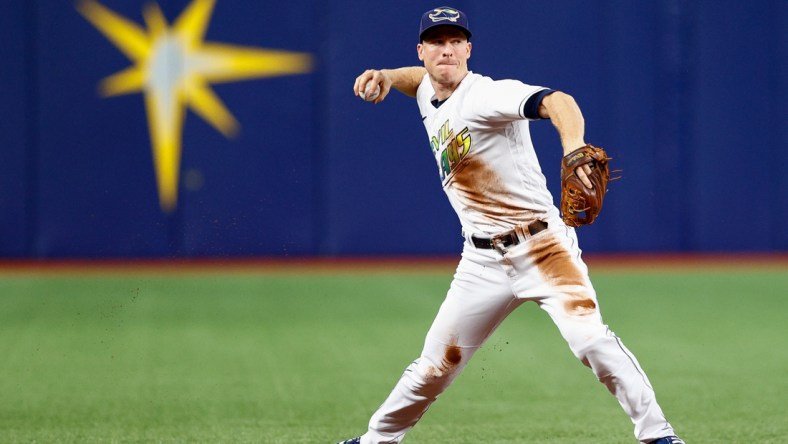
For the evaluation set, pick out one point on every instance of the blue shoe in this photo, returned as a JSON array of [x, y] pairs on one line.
[[668, 440], [354, 441]]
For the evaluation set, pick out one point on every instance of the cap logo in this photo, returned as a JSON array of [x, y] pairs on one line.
[[441, 14]]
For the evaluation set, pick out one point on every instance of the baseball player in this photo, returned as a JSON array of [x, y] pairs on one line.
[[517, 247]]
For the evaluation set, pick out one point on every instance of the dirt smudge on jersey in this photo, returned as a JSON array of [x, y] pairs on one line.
[[557, 267], [432, 373], [483, 191], [452, 356], [580, 306]]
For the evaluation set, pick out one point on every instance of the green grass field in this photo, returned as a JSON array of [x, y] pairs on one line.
[[223, 356]]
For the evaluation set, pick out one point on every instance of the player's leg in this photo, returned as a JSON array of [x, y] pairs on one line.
[[614, 365], [558, 278], [478, 300]]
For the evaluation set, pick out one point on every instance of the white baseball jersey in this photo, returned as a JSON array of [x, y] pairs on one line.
[[486, 160]]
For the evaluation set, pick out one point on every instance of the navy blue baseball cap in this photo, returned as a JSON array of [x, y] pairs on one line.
[[444, 16]]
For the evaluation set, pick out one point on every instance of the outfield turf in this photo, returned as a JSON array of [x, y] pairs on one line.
[[219, 356]]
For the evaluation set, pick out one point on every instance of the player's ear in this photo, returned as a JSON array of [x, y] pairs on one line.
[[470, 46], [420, 51]]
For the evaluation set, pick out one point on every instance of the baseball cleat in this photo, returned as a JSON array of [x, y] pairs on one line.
[[356, 440], [668, 440]]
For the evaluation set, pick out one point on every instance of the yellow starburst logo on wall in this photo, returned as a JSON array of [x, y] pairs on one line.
[[173, 68]]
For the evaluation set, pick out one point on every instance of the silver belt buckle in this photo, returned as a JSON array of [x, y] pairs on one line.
[[498, 244]]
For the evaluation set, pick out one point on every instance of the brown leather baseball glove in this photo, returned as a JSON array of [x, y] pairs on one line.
[[581, 205]]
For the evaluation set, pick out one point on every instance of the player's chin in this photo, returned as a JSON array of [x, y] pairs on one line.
[[446, 73]]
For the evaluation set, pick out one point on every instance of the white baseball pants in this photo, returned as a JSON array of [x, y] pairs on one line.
[[488, 285]]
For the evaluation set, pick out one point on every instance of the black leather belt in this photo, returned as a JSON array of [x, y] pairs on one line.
[[506, 239]]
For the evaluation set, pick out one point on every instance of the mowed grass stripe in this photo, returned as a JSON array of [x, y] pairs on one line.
[[287, 358]]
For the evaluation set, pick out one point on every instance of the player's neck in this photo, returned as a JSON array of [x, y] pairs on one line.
[[444, 89]]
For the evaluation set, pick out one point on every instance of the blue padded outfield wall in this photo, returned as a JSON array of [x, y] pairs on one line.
[[274, 156]]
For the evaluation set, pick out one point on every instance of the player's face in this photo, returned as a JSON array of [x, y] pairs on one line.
[[445, 52]]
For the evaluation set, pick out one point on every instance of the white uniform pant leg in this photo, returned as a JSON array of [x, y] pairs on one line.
[[564, 291], [477, 301]]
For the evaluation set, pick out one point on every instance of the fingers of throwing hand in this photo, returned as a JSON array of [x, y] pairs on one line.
[[372, 85], [361, 81]]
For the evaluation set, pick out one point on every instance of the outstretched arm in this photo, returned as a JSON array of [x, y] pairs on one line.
[[405, 80], [568, 120]]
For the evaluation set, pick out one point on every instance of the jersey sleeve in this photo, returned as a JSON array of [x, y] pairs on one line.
[[424, 93], [501, 100]]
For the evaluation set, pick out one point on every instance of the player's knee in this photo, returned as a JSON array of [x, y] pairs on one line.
[[604, 355], [582, 340], [430, 378], [435, 373]]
